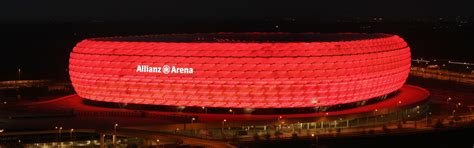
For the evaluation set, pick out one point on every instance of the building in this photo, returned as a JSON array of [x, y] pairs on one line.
[[242, 70]]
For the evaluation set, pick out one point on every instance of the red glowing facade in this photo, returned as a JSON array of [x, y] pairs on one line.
[[240, 70]]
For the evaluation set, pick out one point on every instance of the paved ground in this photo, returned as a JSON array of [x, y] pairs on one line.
[[186, 140]]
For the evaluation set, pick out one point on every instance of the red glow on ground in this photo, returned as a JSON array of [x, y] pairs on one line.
[[408, 95]]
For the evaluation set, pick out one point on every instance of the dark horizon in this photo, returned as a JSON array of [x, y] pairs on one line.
[[242, 10]]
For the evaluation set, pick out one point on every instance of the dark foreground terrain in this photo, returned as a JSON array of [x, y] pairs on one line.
[[449, 138]]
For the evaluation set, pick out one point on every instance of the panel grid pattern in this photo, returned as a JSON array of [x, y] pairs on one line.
[[239, 74]]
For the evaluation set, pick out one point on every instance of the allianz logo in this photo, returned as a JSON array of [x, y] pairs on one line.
[[165, 69]]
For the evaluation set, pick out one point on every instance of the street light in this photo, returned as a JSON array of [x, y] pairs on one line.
[[55, 128], [158, 142], [231, 111], [115, 132], [223, 122], [447, 100], [19, 73], [60, 128], [399, 110], [70, 133], [375, 115], [428, 117], [115, 127], [192, 125]]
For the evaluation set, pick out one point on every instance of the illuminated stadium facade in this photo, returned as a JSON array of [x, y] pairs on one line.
[[241, 70]]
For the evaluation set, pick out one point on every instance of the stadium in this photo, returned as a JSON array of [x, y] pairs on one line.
[[251, 73]]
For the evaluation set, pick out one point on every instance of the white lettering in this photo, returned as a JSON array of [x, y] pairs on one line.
[[166, 69], [139, 68]]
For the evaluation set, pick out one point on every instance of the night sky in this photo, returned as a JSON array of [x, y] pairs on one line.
[[178, 10], [38, 36]]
